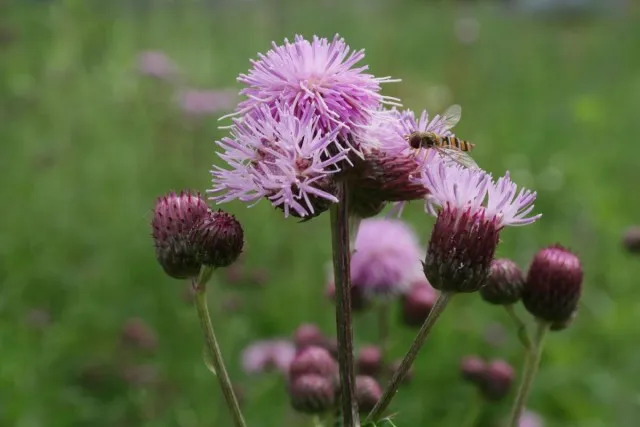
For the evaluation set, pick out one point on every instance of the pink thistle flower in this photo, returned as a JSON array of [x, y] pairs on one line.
[[530, 419], [262, 356], [386, 259], [318, 75], [389, 168], [156, 64], [284, 160], [471, 211], [205, 102]]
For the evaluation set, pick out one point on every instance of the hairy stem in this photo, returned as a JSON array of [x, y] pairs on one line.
[[532, 361], [213, 349], [523, 334], [342, 278], [410, 357]]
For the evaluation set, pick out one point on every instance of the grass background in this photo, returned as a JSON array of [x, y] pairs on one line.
[[87, 144]]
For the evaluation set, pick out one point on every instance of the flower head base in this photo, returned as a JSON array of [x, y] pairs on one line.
[[505, 283], [386, 259], [173, 219], [466, 232], [312, 394], [319, 76], [219, 239], [281, 157], [554, 284]]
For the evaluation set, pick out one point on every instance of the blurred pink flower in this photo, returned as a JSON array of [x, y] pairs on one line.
[[386, 259], [265, 355], [531, 419], [199, 102], [156, 64]]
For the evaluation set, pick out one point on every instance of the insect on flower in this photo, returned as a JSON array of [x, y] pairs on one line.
[[451, 148]]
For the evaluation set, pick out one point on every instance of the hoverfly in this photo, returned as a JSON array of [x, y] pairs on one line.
[[449, 147]]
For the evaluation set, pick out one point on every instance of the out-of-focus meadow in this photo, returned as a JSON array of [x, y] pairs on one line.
[[88, 143]]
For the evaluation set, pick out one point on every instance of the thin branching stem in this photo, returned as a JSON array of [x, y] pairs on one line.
[[523, 334]]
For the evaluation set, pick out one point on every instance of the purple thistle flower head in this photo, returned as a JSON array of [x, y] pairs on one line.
[[471, 210], [386, 259], [264, 355], [530, 419], [280, 157], [156, 64], [318, 75]]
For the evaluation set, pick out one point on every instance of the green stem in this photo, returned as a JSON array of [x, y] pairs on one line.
[[214, 349], [475, 411], [410, 357], [532, 361], [342, 278], [523, 335]]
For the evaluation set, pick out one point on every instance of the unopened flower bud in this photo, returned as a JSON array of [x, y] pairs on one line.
[[554, 284], [219, 239], [561, 326], [498, 379], [473, 369], [312, 394], [308, 335], [173, 218], [368, 392], [631, 239], [417, 304], [505, 282], [369, 361], [313, 360]]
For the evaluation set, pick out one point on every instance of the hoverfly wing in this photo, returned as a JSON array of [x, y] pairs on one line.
[[451, 117], [454, 156]]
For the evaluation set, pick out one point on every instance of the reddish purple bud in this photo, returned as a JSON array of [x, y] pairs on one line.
[[313, 360], [473, 369], [173, 218], [308, 335], [369, 361], [394, 366], [498, 379], [460, 251], [417, 304], [505, 282], [631, 239], [219, 239], [554, 284], [136, 333], [312, 394], [368, 392]]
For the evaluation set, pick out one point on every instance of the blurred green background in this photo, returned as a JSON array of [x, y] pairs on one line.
[[88, 143]]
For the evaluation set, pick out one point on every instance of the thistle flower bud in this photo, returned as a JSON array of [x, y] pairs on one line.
[[417, 304], [369, 361], [553, 285], [173, 218], [312, 394], [308, 335], [631, 239], [473, 369], [561, 326], [313, 360], [368, 392], [498, 379], [218, 238], [504, 284]]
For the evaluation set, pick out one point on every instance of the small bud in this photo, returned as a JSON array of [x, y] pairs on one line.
[[505, 282], [395, 365], [498, 379], [308, 335], [473, 369], [313, 360], [218, 238], [331, 345], [417, 304], [554, 284], [136, 333], [369, 361], [368, 392], [262, 356], [173, 218], [561, 326], [631, 239], [312, 394]]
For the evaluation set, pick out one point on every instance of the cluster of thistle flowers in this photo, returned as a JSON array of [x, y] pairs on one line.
[[193, 102]]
